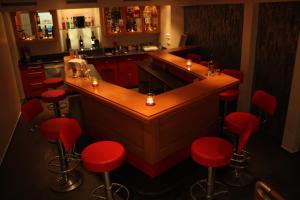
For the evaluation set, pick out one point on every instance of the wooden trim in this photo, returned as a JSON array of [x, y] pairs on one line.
[[17, 4]]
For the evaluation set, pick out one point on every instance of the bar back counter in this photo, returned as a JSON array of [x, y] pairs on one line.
[[155, 137]]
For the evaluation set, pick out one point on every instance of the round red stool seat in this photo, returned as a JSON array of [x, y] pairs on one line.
[[103, 156], [238, 122], [51, 127], [229, 95], [53, 82], [212, 151], [53, 96]]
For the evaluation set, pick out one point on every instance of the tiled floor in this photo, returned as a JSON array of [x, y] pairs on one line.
[[24, 175]]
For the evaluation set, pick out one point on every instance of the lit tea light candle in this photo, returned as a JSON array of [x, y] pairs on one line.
[[189, 64], [95, 82], [150, 99]]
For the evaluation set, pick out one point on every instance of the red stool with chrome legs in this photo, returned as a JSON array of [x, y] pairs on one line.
[[31, 110], [236, 123], [210, 152], [54, 97], [54, 82], [103, 157], [64, 132], [265, 105], [230, 95]]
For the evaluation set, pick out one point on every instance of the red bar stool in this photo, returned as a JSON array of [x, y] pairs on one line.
[[210, 152], [230, 95], [240, 177], [236, 123], [103, 157], [54, 96], [54, 82], [265, 103], [30, 110], [64, 132]]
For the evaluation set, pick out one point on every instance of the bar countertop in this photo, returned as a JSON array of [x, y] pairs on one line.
[[134, 103]]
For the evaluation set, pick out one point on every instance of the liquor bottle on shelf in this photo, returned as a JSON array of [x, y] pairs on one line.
[[93, 38], [92, 21], [38, 19], [81, 46], [97, 44], [72, 23], [68, 25], [63, 24], [46, 32], [40, 33], [68, 42]]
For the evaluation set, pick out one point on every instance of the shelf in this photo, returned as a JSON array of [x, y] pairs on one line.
[[132, 33], [91, 27], [141, 19]]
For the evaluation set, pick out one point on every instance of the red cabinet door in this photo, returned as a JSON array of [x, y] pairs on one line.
[[106, 68], [127, 72], [32, 79]]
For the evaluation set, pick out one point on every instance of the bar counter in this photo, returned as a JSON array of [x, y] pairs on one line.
[[155, 137]]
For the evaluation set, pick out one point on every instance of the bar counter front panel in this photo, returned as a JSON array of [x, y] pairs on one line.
[[155, 137]]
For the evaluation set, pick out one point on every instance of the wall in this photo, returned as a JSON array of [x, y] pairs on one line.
[[9, 103], [217, 29], [278, 30]]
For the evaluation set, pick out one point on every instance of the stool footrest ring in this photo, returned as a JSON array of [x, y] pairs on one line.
[[199, 190], [54, 164], [117, 190]]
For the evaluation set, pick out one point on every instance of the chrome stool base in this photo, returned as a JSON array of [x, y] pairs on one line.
[[66, 182], [199, 191], [239, 178], [119, 191]]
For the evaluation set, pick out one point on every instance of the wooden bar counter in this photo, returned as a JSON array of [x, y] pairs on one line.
[[155, 137]]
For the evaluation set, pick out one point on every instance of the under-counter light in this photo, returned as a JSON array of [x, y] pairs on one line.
[[189, 64], [150, 99]]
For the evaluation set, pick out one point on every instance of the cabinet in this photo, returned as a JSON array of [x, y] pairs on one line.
[[32, 79], [121, 71], [107, 68], [34, 25], [131, 20], [76, 24], [127, 72]]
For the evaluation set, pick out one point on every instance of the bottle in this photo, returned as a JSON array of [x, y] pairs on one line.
[[46, 32], [92, 21], [81, 43], [93, 38], [72, 23], [63, 24], [97, 44], [68, 42], [38, 19], [40, 32], [211, 67], [68, 23]]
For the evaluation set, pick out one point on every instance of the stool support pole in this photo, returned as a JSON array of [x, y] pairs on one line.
[[62, 160], [57, 109], [210, 183], [107, 185]]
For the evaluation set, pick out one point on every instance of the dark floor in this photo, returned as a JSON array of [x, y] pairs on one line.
[[24, 175]]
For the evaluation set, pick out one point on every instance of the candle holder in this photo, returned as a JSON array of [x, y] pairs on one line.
[[150, 99], [95, 82], [189, 64]]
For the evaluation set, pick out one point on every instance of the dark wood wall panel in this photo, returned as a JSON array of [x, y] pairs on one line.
[[278, 30], [218, 30]]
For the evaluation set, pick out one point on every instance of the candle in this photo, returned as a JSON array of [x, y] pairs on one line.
[[150, 99], [95, 82], [189, 64]]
